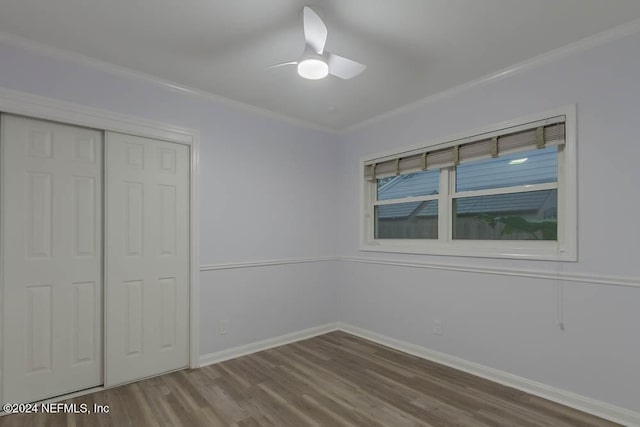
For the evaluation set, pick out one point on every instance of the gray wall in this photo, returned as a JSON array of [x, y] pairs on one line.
[[247, 162], [510, 323]]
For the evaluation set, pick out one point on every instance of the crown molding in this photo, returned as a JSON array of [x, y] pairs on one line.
[[107, 67], [584, 44], [581, 45]]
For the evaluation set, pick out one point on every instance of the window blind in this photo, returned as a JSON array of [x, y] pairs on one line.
[[533, 135]]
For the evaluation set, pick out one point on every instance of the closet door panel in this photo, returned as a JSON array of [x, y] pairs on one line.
[[52, 259], [147, 263]]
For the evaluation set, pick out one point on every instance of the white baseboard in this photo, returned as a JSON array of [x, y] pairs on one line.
[[567, 398], [563, 397], [254, 347]]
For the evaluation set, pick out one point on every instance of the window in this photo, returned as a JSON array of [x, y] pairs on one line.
[[406, 206], [506, 192]]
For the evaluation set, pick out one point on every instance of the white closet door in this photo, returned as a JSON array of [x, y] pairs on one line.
[[52, 259], [147, 263]]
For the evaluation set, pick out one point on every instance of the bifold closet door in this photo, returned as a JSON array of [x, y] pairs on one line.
[[52, 259], [147, 257]]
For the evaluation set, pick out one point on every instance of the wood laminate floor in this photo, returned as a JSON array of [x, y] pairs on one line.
[[334, 379]]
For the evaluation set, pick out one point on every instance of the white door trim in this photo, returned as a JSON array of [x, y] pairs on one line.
[[22, 103]]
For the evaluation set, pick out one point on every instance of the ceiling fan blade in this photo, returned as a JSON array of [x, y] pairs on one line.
[[315, 32], [283, 64], [344, 68]]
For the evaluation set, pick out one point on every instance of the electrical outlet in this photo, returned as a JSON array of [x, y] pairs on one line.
[[222, 327], [437, 327]]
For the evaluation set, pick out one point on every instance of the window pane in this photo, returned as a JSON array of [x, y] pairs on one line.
[[415, 220], [518, 216], [423, 183], [528, 167]]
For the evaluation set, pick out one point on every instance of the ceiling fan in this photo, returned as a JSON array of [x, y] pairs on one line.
[[315, 63]]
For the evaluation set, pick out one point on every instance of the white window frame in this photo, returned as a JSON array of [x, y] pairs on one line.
[[564, 249]]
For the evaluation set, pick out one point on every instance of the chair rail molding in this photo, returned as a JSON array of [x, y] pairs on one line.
[[538, 274], [596, 279], [265, 263]]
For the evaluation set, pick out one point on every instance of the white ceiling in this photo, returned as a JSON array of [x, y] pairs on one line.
[[412, 48]]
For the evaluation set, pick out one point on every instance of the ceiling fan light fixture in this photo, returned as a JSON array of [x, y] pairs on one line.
[[313, 69]]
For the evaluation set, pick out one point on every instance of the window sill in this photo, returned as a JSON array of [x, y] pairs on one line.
[[543, 251]]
